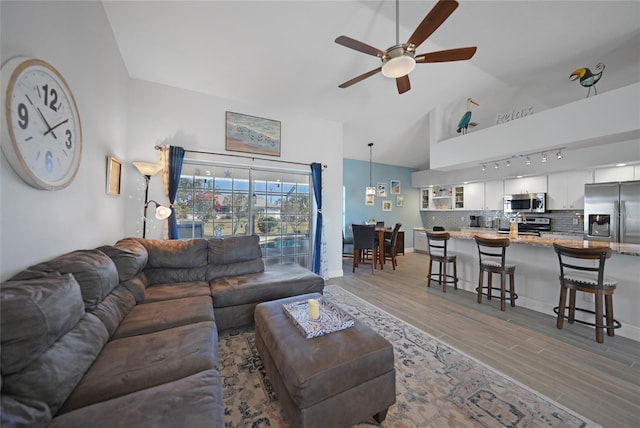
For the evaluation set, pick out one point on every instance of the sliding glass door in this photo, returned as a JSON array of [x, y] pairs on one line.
[[215, 200]]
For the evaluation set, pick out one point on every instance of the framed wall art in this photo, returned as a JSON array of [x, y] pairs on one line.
[[399, 201], [369, 200], [395, 187], [386, 205], [382, 190], [252, 134], [114, 174]]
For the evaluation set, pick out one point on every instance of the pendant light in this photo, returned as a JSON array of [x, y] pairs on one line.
[[370, 191]]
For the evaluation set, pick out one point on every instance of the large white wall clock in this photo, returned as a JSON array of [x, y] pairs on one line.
[[42, 137]]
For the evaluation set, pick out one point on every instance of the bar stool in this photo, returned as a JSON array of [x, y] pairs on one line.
[[437, 246], [577, 275], [492, 254]]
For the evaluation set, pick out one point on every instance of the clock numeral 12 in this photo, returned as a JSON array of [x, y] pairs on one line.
[[54, 97]]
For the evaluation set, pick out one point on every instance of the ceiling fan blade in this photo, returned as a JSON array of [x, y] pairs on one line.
[[459, 54], [432, 21], [359, 46], [403, 84], [360, 78]]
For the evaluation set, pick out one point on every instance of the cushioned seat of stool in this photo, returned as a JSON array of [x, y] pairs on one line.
[[496, 265], [587, 281]]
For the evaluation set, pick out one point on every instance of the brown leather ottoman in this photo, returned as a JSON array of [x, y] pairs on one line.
[[335, 380]]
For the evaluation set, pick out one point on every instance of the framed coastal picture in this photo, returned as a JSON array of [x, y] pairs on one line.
[[382, 190], [114, 174], [399, 201], [395, 187], [386, 205], [252, 134]]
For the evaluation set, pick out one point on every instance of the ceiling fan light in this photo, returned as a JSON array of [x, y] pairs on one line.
[[398, 66]]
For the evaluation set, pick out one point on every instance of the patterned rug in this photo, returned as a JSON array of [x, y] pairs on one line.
[[436, 385]]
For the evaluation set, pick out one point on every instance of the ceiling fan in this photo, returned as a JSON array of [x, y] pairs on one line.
[[400, 59]]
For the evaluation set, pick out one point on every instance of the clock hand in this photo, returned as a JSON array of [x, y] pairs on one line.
[[55, 126], [49, 129]]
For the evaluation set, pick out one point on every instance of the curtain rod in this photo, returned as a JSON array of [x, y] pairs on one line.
[[253, 158]]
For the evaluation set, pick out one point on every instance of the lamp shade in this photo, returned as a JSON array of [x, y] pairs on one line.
[[147, 168], [162, 212], [370, 191]]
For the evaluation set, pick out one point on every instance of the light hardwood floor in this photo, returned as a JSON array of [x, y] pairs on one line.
[[599, 381]]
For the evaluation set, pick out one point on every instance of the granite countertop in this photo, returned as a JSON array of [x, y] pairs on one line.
[[547, 241]]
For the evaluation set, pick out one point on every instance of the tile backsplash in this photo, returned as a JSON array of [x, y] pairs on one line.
[[561, 220]]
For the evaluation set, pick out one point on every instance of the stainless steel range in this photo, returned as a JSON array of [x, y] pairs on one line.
[[532, 227]]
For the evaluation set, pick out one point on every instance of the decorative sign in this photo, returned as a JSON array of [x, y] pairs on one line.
[[513, 115]]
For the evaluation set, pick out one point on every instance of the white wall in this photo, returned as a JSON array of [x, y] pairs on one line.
[[76, 38], [160, 114]]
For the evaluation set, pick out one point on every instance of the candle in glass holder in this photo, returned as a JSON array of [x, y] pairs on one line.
[[314, 309]]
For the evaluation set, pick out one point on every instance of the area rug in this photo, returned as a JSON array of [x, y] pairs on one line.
[[436, 385]]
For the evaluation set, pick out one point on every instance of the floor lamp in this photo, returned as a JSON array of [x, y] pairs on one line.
[[148, 170]]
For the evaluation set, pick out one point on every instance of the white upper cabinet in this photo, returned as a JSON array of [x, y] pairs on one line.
[[536, 184], [474, 196], [566, 190], [618, 173], [494, 195]]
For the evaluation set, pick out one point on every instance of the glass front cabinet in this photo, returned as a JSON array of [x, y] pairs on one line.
[[424, 199]]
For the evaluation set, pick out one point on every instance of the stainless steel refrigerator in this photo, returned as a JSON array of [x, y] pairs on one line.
[[612, 212]]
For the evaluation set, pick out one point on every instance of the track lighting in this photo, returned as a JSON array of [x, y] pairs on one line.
[[496, 166], [528, 160], [484, 167], [508, 164], [559, 154], [544, 157]]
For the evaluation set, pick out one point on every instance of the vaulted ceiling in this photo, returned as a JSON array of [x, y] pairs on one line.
[[282, 53]]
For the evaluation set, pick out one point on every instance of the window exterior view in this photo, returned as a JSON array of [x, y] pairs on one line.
[[226, 201]]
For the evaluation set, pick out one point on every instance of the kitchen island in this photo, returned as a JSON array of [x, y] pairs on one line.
[[537, 271]]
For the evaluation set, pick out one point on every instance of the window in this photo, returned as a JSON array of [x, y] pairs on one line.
[[215, 200]]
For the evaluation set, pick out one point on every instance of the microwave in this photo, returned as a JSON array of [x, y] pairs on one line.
[[527, 203]]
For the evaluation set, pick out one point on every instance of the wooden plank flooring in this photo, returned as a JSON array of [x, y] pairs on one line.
[[599, 381]]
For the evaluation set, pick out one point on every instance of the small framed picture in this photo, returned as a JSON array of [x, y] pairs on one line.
[[114, 174], [399, 201], [395, 187], [386, 205], [370, 200], [382, 190]]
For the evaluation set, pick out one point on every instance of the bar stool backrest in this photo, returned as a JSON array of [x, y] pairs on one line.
[[579, 261], [492, 251], [437, 243], [364, 236]]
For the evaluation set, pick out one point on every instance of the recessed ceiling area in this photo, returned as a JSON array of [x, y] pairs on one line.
[[283, 54]]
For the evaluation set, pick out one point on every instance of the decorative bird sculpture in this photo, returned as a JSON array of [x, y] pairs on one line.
[[587, 78], [465, 121]]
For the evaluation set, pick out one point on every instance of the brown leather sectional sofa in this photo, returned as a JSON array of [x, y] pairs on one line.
[[127, 335]]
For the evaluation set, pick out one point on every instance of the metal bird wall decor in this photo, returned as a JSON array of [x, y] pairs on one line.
[[587, 78], [465, 120]]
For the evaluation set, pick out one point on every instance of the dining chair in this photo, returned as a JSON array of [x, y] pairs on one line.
[[348, 240], [390, 248], [364, 239]]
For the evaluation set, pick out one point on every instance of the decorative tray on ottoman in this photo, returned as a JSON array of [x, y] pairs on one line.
[[331, 318]]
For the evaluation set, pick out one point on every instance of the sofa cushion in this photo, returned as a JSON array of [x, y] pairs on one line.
[[23, 412], [193, 401], [114, 308], [277, 282], [180, 290], [162, 315], [94, 270], [137, 286], [135, 363], [234, 255], [34, 314], [129, 256], [176, 254], [52, 377]]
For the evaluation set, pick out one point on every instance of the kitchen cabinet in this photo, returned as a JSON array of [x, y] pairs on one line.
[[537, 184], [616, 173], [566, 190], [424, 199], [441, 198], [458, 197], [494, 195], [420, 241], [474, 196]]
